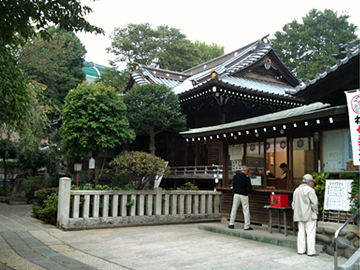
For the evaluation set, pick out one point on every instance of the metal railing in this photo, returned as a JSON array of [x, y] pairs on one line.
[[203, 171], [336, 236]]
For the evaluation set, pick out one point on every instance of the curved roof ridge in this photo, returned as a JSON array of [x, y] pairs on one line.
[[248, 60], [327, 71]]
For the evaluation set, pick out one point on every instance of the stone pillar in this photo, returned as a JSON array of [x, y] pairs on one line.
[[158, 201], [64, 202]]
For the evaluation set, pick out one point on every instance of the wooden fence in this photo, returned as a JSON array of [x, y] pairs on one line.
[[82, 209]]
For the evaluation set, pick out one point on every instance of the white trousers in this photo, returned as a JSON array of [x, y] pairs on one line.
[[306, 237], [244, 201]]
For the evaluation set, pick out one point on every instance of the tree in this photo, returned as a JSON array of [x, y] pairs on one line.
[[30, 132], [24, 19], [153, 108], [138, 168], [112, 77], [56, 63], [21, 20], [8, 149], [94, 119], [307, 47], [33, 130], [162, 47], [15, 95], [208, 52]]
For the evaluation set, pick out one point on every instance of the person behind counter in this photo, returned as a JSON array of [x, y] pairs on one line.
[[305, 206], [241, 187], [283, 167]]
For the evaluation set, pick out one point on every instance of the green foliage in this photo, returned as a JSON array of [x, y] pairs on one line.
[[112, 77], [208, 52], [188, 186], [153, 108], [138, 168], [48, 213], [22, 19], [320, 182], [94, 119], [55, 63], [55, 178], [31, 185], [41, 195], [306, 47], [355, 190], [162, 47], [33, 160], [32, 131], [130, 203], [8, 150], [15, 95]]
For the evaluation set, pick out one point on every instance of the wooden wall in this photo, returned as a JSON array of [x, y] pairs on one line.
[[257, 199]]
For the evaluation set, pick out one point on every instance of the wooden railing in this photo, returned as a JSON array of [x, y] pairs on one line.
[[81, 209], [197, 172]]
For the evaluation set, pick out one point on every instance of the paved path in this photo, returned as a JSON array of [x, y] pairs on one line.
[[26, 243]]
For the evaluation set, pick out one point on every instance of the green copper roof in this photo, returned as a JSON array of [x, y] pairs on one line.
[[93, 70]]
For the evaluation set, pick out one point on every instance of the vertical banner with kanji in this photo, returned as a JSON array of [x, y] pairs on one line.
[[353, 104]]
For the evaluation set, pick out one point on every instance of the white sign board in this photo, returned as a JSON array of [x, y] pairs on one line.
[[256, 181], [337, 195]]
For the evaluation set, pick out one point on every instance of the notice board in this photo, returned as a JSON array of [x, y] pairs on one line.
[[337, 195]]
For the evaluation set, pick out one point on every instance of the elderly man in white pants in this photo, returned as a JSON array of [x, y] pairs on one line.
[[305, 206]]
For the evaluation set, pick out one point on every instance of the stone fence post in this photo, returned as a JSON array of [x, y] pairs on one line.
[[64, 202], [158, 201]]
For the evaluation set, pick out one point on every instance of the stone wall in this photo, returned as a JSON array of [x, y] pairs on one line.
[[347, 241]]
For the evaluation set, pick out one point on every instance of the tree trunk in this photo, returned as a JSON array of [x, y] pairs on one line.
[[5, 176], [152, 141], [96, 169]]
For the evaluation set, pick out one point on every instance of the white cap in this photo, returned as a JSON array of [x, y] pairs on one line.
[[307, 178]]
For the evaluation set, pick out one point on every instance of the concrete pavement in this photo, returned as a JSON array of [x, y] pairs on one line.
[[27, 243]]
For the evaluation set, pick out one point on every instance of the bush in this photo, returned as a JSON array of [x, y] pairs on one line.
[[188, 186], [42, 194], [48, 213], [355, 187], [31, 185], [320, 181], [138, 168]]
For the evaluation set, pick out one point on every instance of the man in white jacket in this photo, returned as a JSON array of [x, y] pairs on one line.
[[305, 206]]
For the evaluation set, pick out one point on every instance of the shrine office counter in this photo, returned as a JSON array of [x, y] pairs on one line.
[[258, 198]]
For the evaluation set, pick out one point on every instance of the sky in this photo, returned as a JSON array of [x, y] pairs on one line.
[[229, 23]]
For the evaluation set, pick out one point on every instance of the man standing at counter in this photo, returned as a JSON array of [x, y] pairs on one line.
[[305, 206], [241, 187]]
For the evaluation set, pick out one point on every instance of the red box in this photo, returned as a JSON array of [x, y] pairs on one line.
[[279, 200]]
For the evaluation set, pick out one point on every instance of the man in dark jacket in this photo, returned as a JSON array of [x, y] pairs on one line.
[[241, 187]]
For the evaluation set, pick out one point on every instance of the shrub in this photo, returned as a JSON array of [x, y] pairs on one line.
[[31, 185], [48, 213], [188, 186], [138, 168], [41, 195], [355, 187], [320, 181]]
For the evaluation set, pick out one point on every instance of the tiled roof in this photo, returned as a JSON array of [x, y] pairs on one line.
[[225, 66], [265, 119], [353, 52], [260, 86]]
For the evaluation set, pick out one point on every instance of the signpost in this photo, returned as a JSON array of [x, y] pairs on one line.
[[77, 169]]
